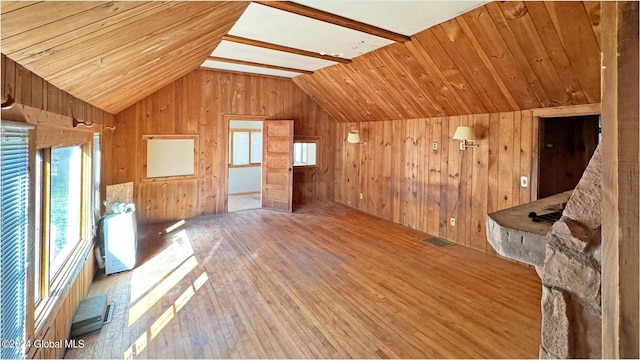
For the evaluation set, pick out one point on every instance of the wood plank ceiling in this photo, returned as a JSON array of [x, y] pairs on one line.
[[372, 65], [503, 56], [113, 54], [283, 38]]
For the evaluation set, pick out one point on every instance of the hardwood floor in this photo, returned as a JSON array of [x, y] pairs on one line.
[[327, 281], [244, 202]]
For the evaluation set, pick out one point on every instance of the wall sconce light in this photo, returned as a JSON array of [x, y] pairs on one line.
[[466, 135], [353, 137]]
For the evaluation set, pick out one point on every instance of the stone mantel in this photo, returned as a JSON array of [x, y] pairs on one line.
[[567, 257], [513, 235]]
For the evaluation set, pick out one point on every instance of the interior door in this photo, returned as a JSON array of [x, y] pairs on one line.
[[277, 165], [566, 146]]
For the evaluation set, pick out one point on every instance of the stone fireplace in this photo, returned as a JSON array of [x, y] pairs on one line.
[[566, 255]]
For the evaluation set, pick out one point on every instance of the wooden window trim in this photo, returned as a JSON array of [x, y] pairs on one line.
[[244, 166], [230, 159], [51, 287]]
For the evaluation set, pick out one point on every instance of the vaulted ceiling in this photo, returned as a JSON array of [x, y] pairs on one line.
[[370, 61], [113, 54], [287, 39], [503, 56]]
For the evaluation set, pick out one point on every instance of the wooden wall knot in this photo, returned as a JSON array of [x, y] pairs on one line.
[[516, 13]]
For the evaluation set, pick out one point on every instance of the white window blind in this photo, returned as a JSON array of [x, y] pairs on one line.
[[14, 189], [95, 160]]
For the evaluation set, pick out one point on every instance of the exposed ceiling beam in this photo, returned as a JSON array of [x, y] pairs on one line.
[[334, 19], [266, 45], [250, 63]]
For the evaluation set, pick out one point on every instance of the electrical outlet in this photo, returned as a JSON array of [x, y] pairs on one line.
[[524, 182], [435, 146], [453, 221], [361, 196]]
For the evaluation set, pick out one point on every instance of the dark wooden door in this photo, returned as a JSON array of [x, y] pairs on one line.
[[566, 145], [277, 165]]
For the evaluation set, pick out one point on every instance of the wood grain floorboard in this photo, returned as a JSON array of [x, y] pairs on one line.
[[326, 281]]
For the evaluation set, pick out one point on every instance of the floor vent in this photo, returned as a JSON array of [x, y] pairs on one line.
[[108, 314], [89, 315], [436, 241]]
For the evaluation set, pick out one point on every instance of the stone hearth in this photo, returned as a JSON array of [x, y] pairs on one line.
[[569, 267], [513, 235]]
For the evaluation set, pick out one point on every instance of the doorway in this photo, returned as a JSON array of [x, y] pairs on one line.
[[244, 182], [566, 145]]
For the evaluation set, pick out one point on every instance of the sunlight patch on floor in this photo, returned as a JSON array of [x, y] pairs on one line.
[[200, 281], [141, 307], [162, 321], [174, 226], [141, 343], [146, 276], [184, 298]]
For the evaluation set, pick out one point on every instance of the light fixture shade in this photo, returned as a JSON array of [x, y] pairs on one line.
[[464, 133], [353, 137]]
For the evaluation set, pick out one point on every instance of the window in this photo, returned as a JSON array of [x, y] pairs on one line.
[[241, 148], [305, 151], [304, 154], [245, 147], [14, 189], [63, 208], [66, 193], [256, 147]]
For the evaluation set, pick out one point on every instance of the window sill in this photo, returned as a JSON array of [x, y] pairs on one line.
[[305, 167], [245, 166], [169, 178]]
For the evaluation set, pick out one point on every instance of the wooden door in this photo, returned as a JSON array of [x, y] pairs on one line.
[[566, 145], [277, 165]]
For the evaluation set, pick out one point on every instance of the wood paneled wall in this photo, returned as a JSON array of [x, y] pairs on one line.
[[403, 179], [58, 327], [197, 104], [51, 110], [500, 57], [33, 93]]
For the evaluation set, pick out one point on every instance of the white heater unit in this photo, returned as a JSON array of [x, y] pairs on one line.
[[120, 242]]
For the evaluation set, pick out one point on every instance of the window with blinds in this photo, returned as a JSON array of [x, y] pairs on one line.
[[14, 189]]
